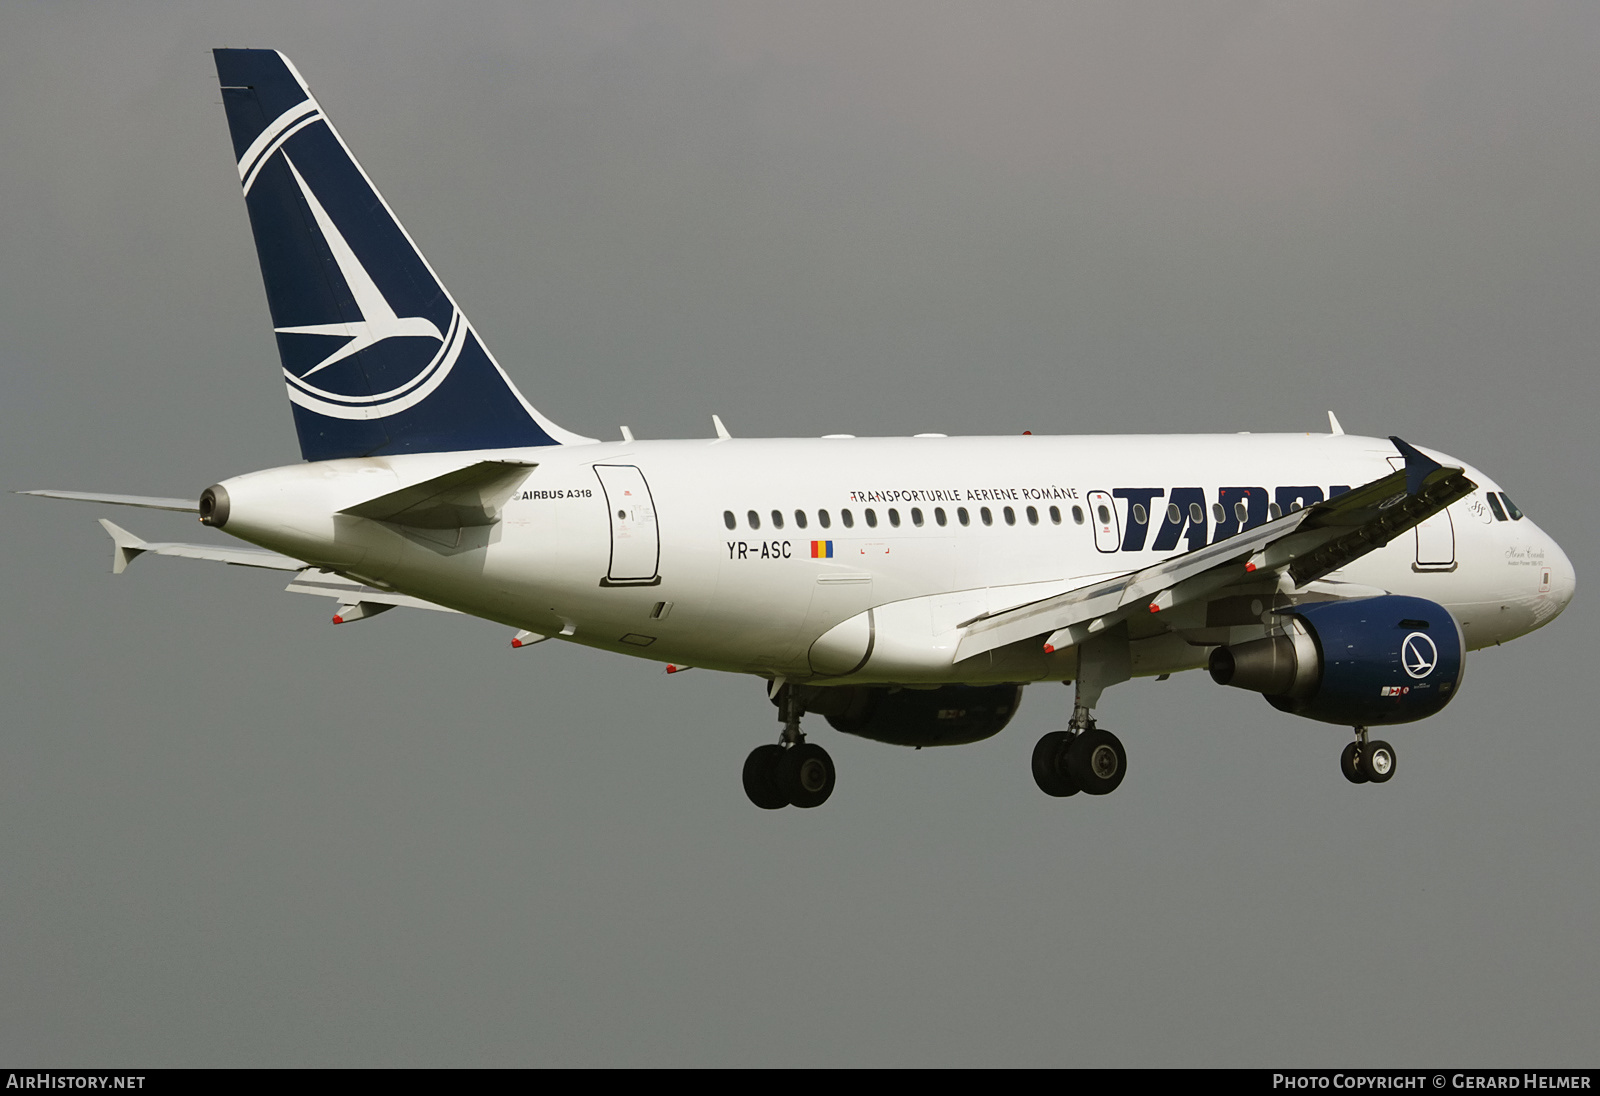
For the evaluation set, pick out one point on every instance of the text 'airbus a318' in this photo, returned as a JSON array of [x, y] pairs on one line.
[[906, 589]]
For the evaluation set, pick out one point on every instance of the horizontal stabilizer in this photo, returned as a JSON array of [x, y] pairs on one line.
[[468, 496], [148, 502], [126, 547]]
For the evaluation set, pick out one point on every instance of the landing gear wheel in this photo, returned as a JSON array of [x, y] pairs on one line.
[[1096, 761], [1049, 765], [1350, 764], [761, 777], [1377, 762], [806, 775]]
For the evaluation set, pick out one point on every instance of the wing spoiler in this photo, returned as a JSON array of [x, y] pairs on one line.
[[1307, 544]]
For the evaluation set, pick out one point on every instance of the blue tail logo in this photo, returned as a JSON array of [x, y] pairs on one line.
[[376, 355]]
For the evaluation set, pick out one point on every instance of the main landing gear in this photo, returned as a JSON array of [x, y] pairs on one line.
[[792, 772], [1091, 761], [1083, 758], [1365, 762]]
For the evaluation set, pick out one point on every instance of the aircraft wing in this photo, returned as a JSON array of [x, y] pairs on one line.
[[357, 600], [1306, 545]]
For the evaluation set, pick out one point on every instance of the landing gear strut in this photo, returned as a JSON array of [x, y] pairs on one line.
[[1365, 762], [792, 772]]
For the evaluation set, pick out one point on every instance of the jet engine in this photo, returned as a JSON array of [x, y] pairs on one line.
[[946, 716], [1361, 663]]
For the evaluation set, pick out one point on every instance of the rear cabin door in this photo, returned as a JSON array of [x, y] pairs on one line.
[[635, 541]]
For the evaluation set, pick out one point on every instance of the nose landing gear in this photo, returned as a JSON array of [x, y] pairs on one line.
[[1364, 762], [792, 772]]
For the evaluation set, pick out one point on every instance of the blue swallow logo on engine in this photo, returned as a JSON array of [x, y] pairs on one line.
[[1418, 655]]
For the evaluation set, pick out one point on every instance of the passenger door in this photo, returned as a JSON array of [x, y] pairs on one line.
[[635, 540]]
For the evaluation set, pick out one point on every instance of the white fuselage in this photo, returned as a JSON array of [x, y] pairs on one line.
[[648, 548]]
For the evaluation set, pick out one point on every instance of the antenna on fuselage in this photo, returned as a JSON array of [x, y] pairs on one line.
[[1333, 424], [722, 431]]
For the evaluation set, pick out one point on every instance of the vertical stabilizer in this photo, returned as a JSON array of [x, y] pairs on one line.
[[376, 355]]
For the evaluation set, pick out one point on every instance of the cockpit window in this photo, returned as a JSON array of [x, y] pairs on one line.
[[1494, 506], [1511, 507]]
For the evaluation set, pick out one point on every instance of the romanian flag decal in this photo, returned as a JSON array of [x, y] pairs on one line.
[[822, 549]]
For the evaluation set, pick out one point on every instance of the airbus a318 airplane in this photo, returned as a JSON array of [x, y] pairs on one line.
[[904, 589]]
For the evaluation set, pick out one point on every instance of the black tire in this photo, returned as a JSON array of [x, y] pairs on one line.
[[761, 777], [1097, 762], [806, 775], [1377, 762], [1049, 768], [1350, 764]]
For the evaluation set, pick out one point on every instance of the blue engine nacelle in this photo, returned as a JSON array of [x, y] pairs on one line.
[[1362, 663], [946, 716]]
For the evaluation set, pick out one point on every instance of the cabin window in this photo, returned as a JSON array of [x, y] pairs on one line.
[[755, 519], [848, 518], [1174, 515], [1218, 512], [1241, 511], [962, 516], [1055, 515], [823, 519], [1511, 507], [1197, 513], [1274, 511], [916, 517], [800, 519], [732, 522], [872, 517], [1140, 515], [938, 516], [777, 519], [894, 517], [988, 518], [1494, 507], [1103, 513], [1077, 515], [1033, 516], [1298, 504], [1011, 515]]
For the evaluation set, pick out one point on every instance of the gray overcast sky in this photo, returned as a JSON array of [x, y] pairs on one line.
[[231, 834]]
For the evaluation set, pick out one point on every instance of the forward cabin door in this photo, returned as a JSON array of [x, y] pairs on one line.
[[1436, 537], [635, 540]]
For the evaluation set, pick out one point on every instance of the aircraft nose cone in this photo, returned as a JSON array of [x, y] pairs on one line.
[[1563, 579]]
